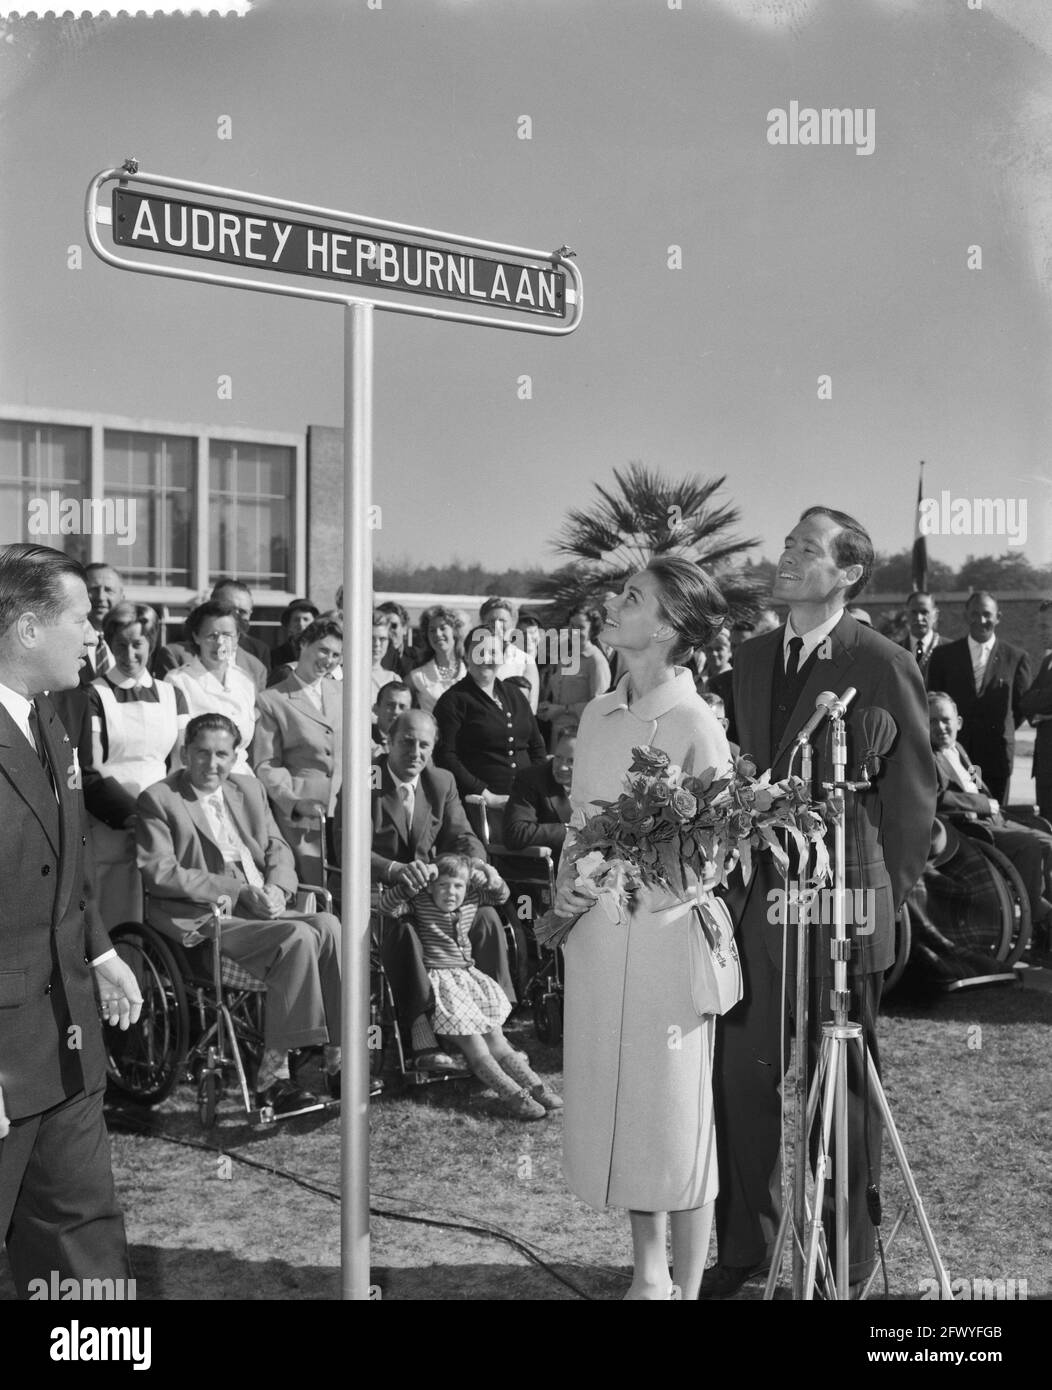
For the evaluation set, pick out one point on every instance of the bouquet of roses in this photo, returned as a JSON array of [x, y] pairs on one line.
[[672, 830]]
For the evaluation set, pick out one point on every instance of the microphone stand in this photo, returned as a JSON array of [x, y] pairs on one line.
[[827, 1099]]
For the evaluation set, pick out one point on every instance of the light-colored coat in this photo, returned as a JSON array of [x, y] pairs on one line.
[[638, 1128], [296, 754]]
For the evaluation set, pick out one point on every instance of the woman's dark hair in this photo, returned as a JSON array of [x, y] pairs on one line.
[[124, 615], [319, 629], [31, 582], [202, 723], [689, 600], [438, 614], [851, 545], [298, 605], [211, 608]]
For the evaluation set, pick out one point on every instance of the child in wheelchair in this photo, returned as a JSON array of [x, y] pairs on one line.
[[470, 1007]]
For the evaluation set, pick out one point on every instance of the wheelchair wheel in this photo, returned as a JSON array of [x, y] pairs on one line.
[[209, 1091], [903, 946], [518, 957], [145, 1063], [548, 1018], [1018, 925]]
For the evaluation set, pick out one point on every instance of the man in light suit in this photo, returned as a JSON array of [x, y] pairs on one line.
[[206, 833], [296, 749], [1036, 705], [417, 815], [985, 678], [964, 794], [827, 559], [58, 972], [922, 621]]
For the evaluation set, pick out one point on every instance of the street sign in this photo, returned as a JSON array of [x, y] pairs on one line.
[[156, 223]]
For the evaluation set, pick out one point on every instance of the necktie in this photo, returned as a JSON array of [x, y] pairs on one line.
[[405, 791], [103, 658], [792, 665], [234, 848], [979, 669], [38, 742], [920, 651]]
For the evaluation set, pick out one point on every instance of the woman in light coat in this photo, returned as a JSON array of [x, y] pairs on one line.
[[638, 1130], [296, 751]]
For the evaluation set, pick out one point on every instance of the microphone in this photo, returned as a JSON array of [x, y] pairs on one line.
[[827, 703], [879, 732]]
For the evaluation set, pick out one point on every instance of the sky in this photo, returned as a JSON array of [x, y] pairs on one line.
[[649, 128]]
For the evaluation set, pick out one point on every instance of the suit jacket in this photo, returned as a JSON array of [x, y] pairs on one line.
[[952, 797], [925, 661], [49, 926], [439, 823], [296, 749], [531, 816], [480, 745], [1038, 700], [182, 865], [887, 828], [990, 718]]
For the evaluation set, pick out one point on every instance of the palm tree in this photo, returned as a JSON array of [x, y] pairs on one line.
[[647, 514]]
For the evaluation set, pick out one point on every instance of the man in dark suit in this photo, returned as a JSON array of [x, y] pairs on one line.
[[827, 560], [58, 1211], [985, 678], [538, 808], [417, 815], [922, 620], [206, 833], [1036, 704], [963, 794]]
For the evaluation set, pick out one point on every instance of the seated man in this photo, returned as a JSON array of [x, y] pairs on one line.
[[394, 699], [417, 815], [963, 794], [538, 806], [204, 833]]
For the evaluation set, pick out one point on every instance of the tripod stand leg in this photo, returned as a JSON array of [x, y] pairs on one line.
[[841, 1175], [827, 1070], [907, 1178]]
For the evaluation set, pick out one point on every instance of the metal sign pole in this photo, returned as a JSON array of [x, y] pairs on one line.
[[357, 620], [224, 227]]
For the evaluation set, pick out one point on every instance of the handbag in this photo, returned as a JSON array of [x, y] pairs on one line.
[[715, 969]]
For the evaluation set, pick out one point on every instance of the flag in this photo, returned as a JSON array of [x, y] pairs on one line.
[[920, 540]]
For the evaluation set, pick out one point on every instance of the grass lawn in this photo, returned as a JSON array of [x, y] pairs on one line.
[[969, 1086]]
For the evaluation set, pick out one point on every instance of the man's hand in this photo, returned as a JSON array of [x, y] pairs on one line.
[[276, 896], [5, 1123], [416, 875], [485, 875], [255, 902], [120, 1000], [309, 811]]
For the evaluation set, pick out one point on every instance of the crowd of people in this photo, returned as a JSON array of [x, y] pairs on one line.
[[209, 766]]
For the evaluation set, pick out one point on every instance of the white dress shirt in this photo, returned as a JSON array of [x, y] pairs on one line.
[[810, 639], [980, 654]]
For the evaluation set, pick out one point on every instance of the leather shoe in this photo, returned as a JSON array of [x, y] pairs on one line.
[[724, 1281], [334, 1086], [284, 1097]]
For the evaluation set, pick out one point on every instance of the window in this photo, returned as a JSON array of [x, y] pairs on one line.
[[41, 467], [154, 475], [250, 513]]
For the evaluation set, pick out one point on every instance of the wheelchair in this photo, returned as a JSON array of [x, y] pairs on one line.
[[966, 921], [530, 874], [201, 1019]]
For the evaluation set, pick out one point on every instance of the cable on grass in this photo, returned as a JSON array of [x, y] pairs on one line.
[[493, 1231]]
